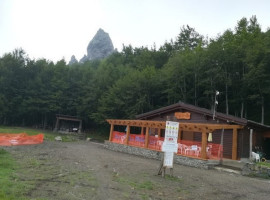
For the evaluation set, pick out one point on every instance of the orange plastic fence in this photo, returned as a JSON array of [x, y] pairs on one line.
[[7, 139], [185, 147], [118, 137], [136, 140]]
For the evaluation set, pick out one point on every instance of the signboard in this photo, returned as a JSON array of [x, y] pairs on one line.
[[182, 115], [171, 136], [170, 145], [168, 159]]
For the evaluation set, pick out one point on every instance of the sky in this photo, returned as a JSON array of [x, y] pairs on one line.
[[57, 29]]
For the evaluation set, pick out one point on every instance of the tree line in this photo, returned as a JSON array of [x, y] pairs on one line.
[[190, 69]]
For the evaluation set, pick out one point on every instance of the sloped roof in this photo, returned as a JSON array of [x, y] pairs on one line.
[[68, 117], [204, 111]]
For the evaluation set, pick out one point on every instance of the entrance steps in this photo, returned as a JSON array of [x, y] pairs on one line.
[[232, 166], [227, 169]]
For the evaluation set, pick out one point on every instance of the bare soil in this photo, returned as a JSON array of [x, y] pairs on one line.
[[86, 170]]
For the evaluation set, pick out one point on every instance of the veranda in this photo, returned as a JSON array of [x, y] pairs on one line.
[[151, 136]]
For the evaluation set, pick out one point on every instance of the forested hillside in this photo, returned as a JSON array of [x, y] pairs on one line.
[[136, 80]]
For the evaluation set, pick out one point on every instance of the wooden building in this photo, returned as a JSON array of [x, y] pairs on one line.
[[67, 124], [238, 142]]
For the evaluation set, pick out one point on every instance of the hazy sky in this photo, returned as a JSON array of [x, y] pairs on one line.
[[56, 29]]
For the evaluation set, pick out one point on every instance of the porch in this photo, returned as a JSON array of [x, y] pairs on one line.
[[150, 135]]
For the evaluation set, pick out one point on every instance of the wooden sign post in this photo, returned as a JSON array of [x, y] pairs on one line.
[[169, 147]]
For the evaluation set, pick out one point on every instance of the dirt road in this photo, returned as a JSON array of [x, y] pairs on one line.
[[85, 170]]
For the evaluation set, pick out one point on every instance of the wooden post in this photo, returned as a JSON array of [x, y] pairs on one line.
[[80, 127], [179, 135], [127, 134], [111, 132], [234, 144], [56, 125], [142, 128], [159, 132], [204, 144], [162, 168], [146, 137]]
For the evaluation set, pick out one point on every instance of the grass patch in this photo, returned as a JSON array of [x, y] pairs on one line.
[[172, 178], [146, 185], [259, 175], [29, 131], [265, 164], [98, 134], [144, 197], [10, 187], [68, 138]]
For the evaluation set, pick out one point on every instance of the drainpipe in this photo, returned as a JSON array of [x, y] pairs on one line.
[[250, 143]]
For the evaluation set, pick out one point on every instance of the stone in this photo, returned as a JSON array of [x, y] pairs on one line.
[[178, 159], [100, 46], [58, 138]]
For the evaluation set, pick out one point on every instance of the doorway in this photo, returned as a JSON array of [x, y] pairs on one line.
[[266, 148]]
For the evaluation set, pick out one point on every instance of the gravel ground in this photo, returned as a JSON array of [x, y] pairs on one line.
[[86, 170]]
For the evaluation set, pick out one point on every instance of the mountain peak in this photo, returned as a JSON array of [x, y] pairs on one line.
[[100, 46]]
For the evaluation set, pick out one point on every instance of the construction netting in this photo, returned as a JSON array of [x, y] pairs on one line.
[[7, 139], [185, 147]]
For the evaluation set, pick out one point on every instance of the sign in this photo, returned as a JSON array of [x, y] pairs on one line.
[[168, 159], [170, 145], [182, 115], [171, 136]]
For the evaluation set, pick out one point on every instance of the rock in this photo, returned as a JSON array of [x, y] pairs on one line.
[[73, 60], [100, 46], [268, 172], [58, 138], [83, 59]]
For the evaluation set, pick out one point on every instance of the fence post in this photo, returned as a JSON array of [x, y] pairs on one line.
[[146, 137]]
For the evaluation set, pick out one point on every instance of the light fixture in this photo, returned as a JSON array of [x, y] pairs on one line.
[[215, 104]]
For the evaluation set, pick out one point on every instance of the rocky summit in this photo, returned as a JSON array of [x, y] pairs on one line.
[[73, 60], [83, 59], [100, 46]]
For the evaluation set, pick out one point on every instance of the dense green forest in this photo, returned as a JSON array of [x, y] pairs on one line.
[[136, 80]]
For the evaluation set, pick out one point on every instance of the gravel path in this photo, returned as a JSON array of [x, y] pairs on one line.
[[86, 170]]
